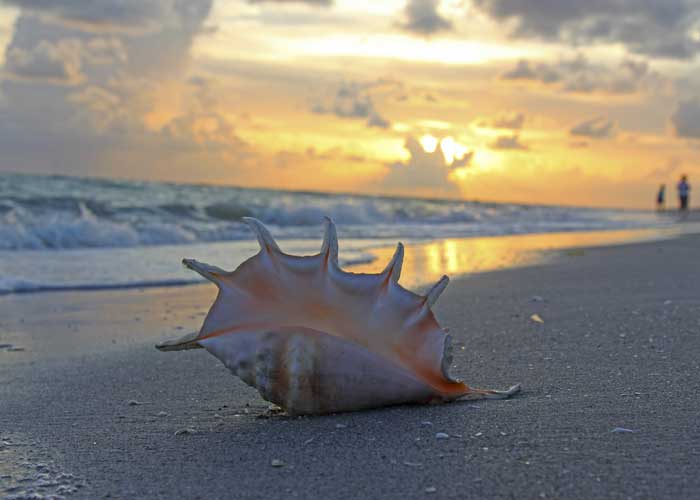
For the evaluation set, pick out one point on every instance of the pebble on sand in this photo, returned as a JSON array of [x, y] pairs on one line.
[[430, 489], [442, 435], [277, 463]]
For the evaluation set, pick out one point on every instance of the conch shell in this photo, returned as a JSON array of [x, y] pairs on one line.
[[314, 339]]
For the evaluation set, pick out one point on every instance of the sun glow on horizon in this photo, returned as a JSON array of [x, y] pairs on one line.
[[435, 98], [452, 150], [405, 48]]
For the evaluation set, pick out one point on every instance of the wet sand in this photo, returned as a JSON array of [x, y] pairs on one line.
[[90, 409]]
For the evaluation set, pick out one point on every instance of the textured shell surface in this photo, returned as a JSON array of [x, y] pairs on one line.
[[313, 338]]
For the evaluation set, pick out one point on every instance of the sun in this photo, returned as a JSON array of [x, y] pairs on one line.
[[429, 143], [452, 150]]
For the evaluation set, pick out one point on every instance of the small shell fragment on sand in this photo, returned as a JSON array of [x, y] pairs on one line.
[[185, 431], [11, 348], [622, 430], [537, 318], [442, 435], [430, 489], [133, 402], [277, 463]]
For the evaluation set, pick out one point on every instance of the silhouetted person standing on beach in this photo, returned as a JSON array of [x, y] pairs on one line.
[[661, 198], [683, 192]]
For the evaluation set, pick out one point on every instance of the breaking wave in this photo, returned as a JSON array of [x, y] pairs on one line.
[[47, 213]]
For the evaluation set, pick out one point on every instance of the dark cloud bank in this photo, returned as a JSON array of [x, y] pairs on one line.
[[80, 79], [658, 28]]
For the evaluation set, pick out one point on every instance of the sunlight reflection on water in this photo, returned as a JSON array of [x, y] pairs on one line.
[[425, 263]]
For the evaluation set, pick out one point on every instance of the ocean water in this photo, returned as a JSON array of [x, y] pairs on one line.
[[60, 233]]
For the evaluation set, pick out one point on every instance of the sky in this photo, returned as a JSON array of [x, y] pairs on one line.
[[583, 102]]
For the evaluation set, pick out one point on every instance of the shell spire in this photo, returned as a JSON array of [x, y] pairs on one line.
[[267, 242], [205, 270], [313, 338], [329, 248], [434, 293], [393, 269]]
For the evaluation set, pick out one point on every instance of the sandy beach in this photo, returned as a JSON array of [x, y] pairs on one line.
[[542, 155], [609, 408]]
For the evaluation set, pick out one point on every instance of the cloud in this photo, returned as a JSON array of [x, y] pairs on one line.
[[62, 61], [58, 62], [595, 128], [318, 3], [100, 50], [100, 14], [210, 131], [377, 121], [656, 28], [686, 119], [424, 171], [117, 101], [101, 109], [423, 18], [508, 142], [578, 75], [524, 70], [511, 121], [352, 100]]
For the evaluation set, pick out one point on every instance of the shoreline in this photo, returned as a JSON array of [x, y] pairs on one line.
[[427, 259], [629, 311], [181, 308]]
